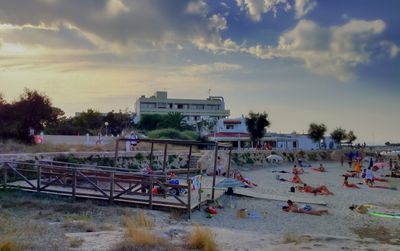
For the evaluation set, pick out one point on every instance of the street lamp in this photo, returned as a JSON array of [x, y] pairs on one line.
[[106, 124]]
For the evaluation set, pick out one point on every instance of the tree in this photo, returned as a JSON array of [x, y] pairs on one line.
[[33, 110], [90, 121], [173, 120], [256, 124], [338, 135], [316, 132], [118, 121], [351, 137], [149, 122]]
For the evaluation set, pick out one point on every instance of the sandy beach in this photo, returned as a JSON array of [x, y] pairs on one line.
[[89, 226], [271, 220]]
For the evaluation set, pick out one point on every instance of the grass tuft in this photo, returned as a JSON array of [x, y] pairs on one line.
[[291, 238], [76, 242], [202, 238], [139, 220], [8, 245]]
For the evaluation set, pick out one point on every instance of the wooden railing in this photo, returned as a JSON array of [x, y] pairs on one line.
[[94, 182]]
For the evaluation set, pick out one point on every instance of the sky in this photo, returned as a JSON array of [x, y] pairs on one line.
[[301, 61]]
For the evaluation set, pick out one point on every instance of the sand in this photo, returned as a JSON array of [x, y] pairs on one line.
[[273, 221], [273, 229]]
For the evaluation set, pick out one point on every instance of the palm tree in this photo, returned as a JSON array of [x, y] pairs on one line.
[[316, 132]]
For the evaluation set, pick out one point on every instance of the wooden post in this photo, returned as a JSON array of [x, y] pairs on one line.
[[229, 163], [151, 155], [5, 174], [112, 183], [189, 206], [74, 184], [200, 193], [214, 172], [116, 152], [164, 165], [38, 177], [151, 192], [188, 164]]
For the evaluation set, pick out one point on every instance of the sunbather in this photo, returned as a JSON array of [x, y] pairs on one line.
[[346, 183], [321, 190], [296, 179], [303, 211]]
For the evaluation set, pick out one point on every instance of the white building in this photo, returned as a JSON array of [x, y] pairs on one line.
[[235, 131], [193, 110]]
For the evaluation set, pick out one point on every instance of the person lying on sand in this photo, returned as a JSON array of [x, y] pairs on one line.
[[296, 179], [362, 209], [293, 208], [346, 183], [321, 190]]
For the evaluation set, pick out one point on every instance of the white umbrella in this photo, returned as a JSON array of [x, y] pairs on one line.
[[274, 158]]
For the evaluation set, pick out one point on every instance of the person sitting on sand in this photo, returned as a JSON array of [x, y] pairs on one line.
[[296, 179], [346, 183], [297, 170], [295, 209], [321, 190], [321, 168]]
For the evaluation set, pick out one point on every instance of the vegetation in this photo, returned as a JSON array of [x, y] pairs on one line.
[[351, 137], [316, 132], [338, 135], [202, 238], [171, 133], [32, 111], [174, 120], [256, 124]]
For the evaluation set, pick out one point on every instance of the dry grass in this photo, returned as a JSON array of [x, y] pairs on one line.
[[76, 242], [291, 238], [139, 220], [8, 245], [379, 233], [202, 238]]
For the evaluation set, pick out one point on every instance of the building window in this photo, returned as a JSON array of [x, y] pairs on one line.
[[180, 106], [294, 144], [170, 106], [229, 127], [197, 107]]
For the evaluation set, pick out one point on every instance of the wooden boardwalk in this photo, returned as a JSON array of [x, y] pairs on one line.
[[109, 184]]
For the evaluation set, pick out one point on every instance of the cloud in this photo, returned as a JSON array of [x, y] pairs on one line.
[[203, 69], [122, 25], [256, 8], [302, 7], [332, 51]]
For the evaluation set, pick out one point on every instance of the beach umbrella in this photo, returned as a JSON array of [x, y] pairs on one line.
[[274, 158], [229, 182]]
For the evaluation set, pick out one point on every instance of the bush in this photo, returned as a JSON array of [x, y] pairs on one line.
[[202, 238], [170, 133]]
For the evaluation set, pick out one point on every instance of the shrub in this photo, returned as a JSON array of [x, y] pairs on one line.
[[202, 238], [170, 133]]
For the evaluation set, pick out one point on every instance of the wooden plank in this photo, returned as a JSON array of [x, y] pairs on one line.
[[249, 193]]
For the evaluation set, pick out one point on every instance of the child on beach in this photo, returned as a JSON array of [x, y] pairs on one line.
[[369, 177]]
